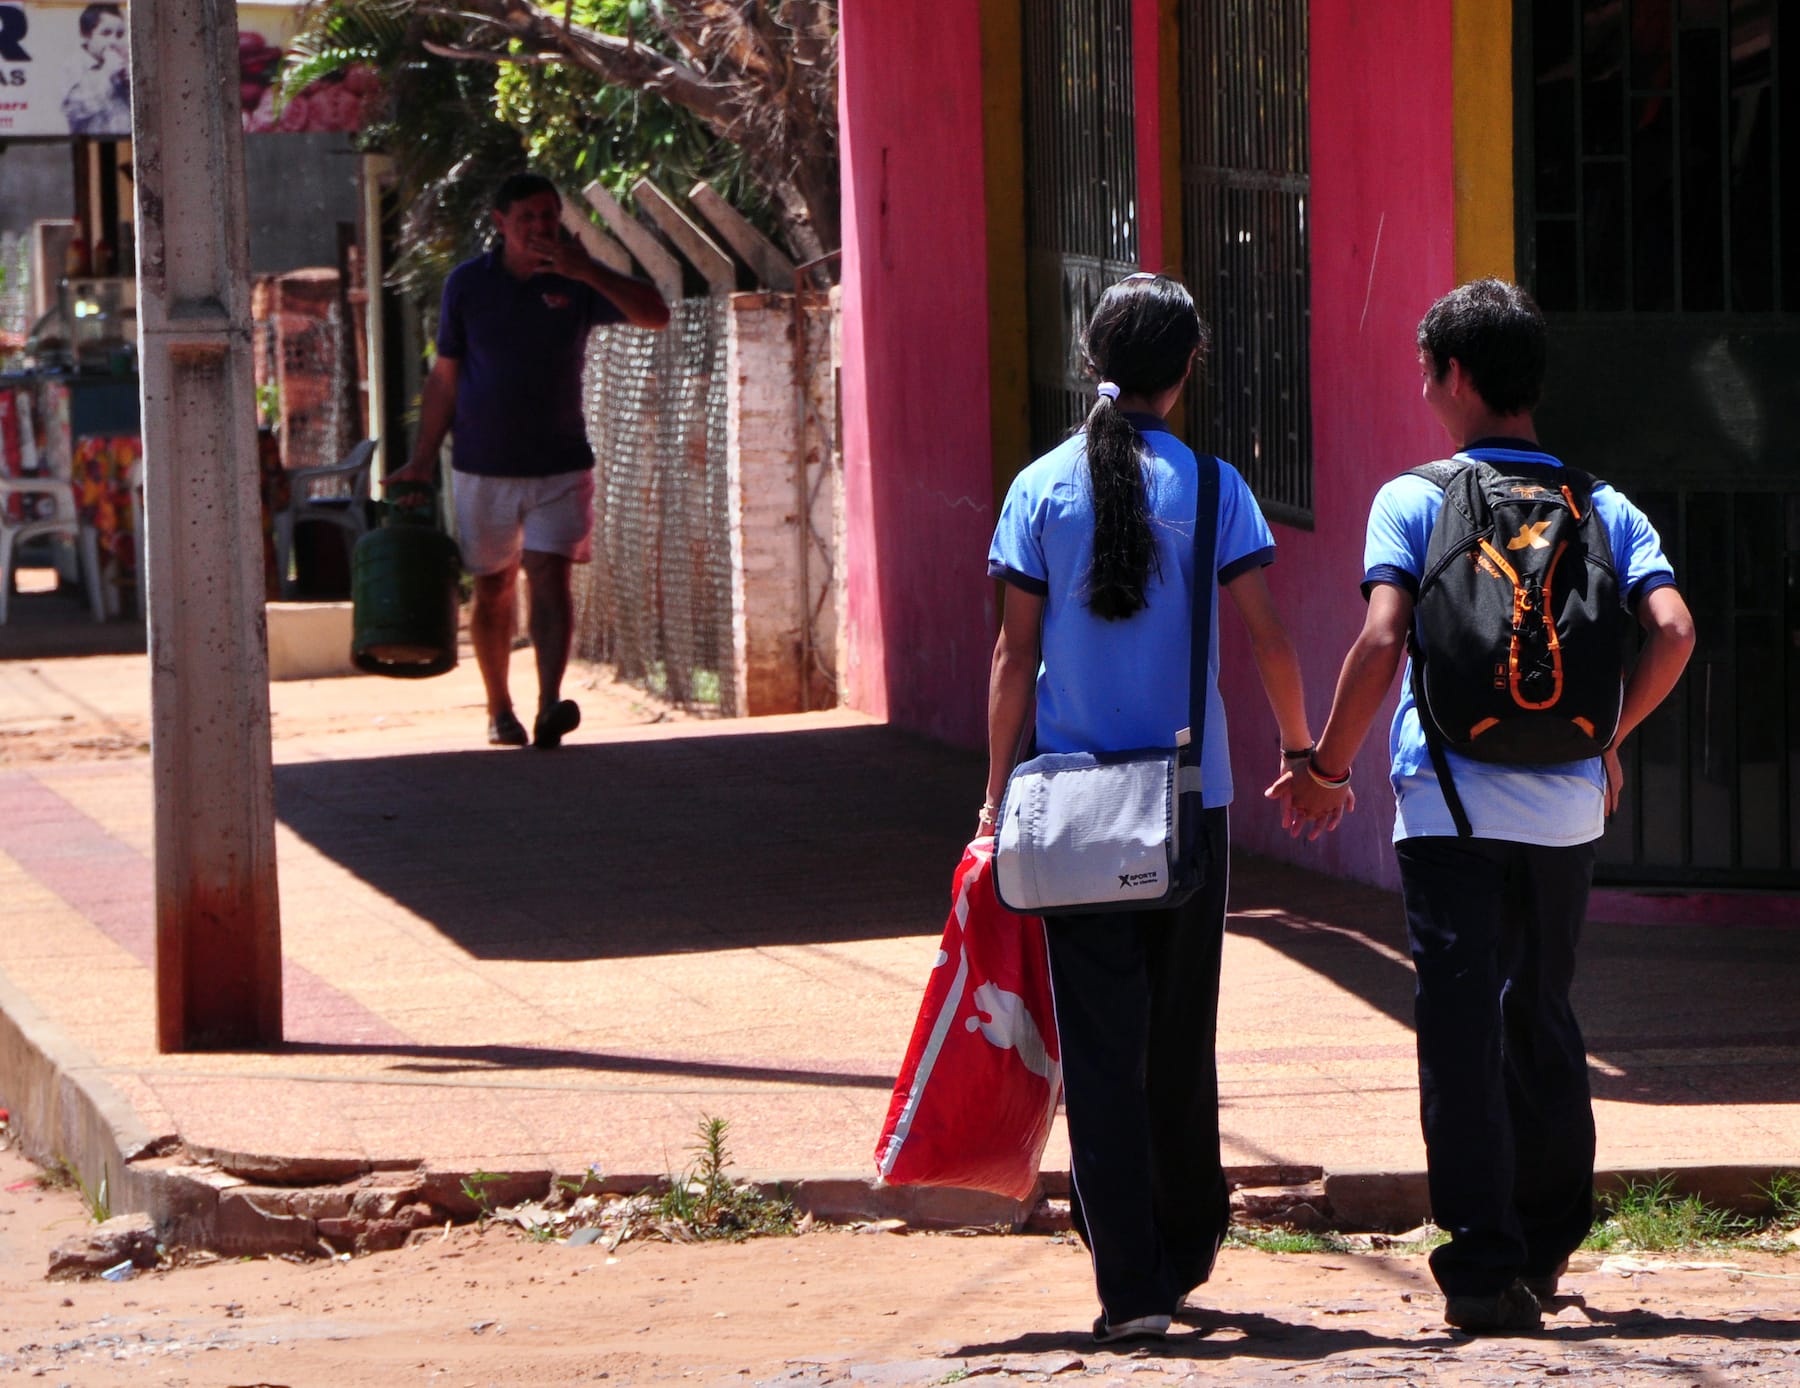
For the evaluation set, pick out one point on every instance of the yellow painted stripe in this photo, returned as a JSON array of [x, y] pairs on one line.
[[1482, 44], [1003, 150]]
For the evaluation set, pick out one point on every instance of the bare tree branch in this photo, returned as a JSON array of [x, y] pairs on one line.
[[759, 73]]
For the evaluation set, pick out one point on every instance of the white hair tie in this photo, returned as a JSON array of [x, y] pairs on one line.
[[1109, 390]]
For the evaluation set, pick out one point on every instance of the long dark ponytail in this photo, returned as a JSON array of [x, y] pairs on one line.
[[1142, 334]]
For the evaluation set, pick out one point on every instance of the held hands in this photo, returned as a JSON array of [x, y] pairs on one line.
[[1306, 805]]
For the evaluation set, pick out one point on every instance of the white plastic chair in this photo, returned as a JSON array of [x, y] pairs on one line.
[[337, 494], [63, 519]]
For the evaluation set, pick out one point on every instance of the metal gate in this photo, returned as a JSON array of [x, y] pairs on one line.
[[1245, 181], [1081, 216], [1659, 201]]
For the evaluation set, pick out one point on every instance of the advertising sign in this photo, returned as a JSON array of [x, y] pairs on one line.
[[65, 70]]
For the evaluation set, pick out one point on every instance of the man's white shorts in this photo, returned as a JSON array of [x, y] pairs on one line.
[[497, 518]]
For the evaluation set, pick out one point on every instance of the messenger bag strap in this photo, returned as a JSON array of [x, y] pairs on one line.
[[1206, 552]]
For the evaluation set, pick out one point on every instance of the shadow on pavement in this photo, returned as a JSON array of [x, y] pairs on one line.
[[725, 840], [49, 626], [732, 839], [1674, 1014], [463, 1060], [1258, 1337]]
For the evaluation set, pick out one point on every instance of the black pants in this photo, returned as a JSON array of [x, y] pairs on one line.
[[1503, 1082], [1137, 1007]]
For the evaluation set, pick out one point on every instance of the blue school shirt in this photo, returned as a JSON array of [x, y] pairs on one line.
[[1558, 805], [520, 345], [1116, 686]]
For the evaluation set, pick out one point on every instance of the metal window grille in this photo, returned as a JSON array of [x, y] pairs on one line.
[[1652, 138], [1245, 182], [1081, 227], [1658, 198], [656, 601]]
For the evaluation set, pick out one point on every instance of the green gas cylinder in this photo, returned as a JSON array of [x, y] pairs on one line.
[[403, 590]]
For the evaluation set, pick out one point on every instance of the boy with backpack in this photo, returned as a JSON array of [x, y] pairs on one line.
[[1504, 572]]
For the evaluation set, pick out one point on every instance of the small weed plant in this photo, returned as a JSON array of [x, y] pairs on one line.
[[708, 1204], [1279, 1240], [1649, 1217], [1783, 1195], [96, 1199], [475, 1190]]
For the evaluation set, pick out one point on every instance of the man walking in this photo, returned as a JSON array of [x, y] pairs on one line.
[[511, 343], [1496, 849]]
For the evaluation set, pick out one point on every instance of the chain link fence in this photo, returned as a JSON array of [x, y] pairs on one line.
[[656, 602]]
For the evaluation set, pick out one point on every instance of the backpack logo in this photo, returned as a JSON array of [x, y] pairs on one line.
[[1530, 536]]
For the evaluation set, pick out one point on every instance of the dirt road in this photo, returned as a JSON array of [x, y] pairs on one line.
[[836, 1306]]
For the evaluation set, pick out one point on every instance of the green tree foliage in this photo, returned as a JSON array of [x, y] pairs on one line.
[[577, 127], [738, 92], [436, 119]]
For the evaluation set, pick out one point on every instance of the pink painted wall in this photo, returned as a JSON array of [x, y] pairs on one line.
[[919, 504], [1382, 250], [919, 497]]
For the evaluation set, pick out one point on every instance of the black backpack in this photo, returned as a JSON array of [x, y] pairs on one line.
[[1517, 639]]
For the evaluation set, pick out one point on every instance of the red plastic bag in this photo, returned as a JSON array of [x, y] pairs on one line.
[[983, 1072]]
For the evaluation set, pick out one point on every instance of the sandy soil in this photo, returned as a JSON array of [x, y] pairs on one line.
[[838, 1306]]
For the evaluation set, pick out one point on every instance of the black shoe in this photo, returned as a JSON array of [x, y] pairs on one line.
[[505, 730], [555, 723], [1544, 1285], [1514, 1309]]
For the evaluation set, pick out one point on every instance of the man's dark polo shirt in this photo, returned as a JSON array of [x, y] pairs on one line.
[[520, 345]]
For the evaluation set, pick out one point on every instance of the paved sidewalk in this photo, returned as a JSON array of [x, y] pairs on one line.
[[523, 962]]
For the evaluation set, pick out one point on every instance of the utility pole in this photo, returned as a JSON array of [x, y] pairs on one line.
[[218, 925]]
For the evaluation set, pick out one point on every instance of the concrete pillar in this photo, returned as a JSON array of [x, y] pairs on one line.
[[218, 930]]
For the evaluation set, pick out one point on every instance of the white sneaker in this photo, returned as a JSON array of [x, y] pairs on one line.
[[1143, 1328]]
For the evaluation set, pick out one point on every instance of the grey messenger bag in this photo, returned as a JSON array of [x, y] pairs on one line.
[[1082, 832]]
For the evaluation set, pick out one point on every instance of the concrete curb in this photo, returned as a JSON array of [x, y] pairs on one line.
[[64, 1110]]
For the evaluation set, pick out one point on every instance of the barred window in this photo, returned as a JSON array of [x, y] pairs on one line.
[[1653, 133], [1081, 221], [1245, 182]]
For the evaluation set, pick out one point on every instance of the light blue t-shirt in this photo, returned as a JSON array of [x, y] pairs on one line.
[[1556, 806], [1120, 685]]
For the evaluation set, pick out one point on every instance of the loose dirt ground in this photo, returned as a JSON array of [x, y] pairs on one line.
[[837, 1306]]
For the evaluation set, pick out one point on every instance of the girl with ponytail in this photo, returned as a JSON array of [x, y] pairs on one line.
[[1095, 547]]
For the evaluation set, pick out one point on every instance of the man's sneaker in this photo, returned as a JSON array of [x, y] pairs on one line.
[[1511, 1310], [556, 723], [1143, 1328], [505, 730], [1544, 1286]]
